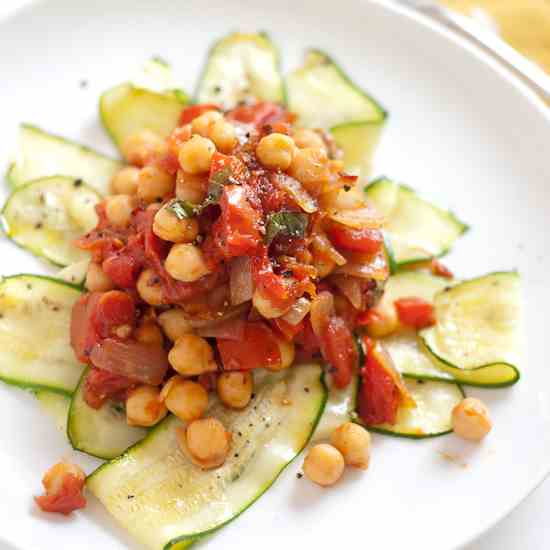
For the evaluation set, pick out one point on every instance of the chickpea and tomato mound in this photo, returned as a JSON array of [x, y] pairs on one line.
[[238, 243]]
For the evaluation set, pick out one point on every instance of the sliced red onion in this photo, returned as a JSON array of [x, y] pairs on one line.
[[241, 284], [232, 329], [143, 363], [322, 309]]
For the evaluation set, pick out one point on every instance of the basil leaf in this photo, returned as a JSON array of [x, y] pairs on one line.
[[291, 224], [181, 209]]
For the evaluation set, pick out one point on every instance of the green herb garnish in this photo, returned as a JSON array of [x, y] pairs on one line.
[[182, 209], [291, 224]]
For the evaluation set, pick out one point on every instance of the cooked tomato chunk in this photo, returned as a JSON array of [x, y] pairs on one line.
[[359, 240], [339, 349], [415, 312], [379, 396], [64, 484], [258, 349], [101, 385]]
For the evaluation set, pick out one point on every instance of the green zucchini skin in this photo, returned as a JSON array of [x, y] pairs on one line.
[[111, 480], [72, 159], [27, 376], [473, 375], [35, 233], [263, 43], [445, 217], [101, 433]]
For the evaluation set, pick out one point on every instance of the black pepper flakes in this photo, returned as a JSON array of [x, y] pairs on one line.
[[306, 389], [217, 89], [38, 225], [299, 475], [236, 455], [78, 182], [347, 188], [130, 497], [83, 83], [240, 434]]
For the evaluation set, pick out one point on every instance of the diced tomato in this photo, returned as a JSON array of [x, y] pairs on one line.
[[440, 270], [83, 333], [287, 330], [259, 349], [281, 291], [339, 349], [307, 341], [123, 268], [379, 396], [113, 309], [259, 114], [415, 312], [359, 240], [64, 484], [101, 385], [230, 165], [236, 232], [193, 111], [144, 363]]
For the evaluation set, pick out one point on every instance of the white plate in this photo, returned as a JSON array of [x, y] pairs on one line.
[[459, 129]]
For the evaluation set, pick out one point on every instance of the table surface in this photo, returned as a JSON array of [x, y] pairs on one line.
[[526, 24]]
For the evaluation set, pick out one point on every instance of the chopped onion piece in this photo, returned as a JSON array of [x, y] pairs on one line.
[[231, 313], [359, 218], [322, 309], [351, 288], [295, 189], [324, 247], [241, 284], [297, 312], [231, 329], [376, 268]]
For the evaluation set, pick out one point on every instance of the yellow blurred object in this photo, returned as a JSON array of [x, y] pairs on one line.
[[524, 24]]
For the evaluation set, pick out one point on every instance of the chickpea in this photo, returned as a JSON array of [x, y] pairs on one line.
[[187, 400], [195, 155], [154, 184], [169, 227], [185, 262], [287, 351], [324, 464], [264, 306], [383, 321], [190, 187], [471, 419], [174, 323], [203, 123], [208, 442], [125, 181], [353, 441], [148, 332], [192, 355], [140, 147], [149, 288], [143, 406], [276, 151], [235, 389], [310, 166], [97, 280], [118, 209], [304, 138], [55, 477], [224, 136]]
